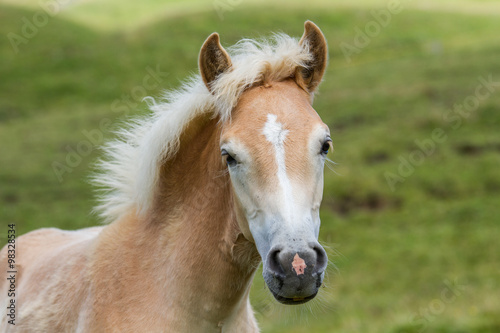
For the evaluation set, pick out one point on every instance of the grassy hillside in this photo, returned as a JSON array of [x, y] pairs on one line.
[[411, 211]]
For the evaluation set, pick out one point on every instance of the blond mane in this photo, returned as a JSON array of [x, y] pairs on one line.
[[130, 169]]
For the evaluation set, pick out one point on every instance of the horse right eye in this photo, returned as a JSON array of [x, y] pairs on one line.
[[230, 161]]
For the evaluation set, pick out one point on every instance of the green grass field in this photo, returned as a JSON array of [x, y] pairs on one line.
[[411, 212]]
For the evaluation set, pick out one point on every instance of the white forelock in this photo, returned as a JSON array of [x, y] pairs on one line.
[[129, 172]]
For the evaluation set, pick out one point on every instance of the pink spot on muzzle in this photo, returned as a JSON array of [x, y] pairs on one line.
[[298, 264]]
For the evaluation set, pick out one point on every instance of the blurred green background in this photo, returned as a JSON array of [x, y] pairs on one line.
[[412, 98]]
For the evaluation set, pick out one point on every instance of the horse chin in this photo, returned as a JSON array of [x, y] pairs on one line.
[[293, 300]]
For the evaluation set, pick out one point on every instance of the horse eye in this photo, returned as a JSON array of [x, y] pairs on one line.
[[230, 161], [326, 147]]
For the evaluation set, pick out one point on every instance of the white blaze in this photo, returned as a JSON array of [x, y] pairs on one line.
[[276, 135]]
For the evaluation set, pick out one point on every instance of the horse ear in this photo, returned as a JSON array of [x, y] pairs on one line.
[[314, 40], [213, 60]]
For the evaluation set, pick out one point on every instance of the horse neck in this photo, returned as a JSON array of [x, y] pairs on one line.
[[198, 233]]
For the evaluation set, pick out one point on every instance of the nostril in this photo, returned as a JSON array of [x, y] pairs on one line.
[[321, 259], [273, 263]]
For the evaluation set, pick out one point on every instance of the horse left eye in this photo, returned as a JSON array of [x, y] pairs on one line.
[[326, 147]]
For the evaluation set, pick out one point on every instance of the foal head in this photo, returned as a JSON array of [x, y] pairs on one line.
[[275, 146]]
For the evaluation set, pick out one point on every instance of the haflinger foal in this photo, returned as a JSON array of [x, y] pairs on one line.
[[225, 173]]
